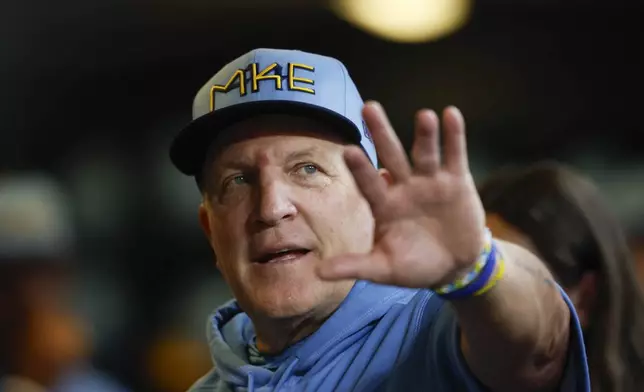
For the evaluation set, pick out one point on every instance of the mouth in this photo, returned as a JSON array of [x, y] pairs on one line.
[[282, 256]]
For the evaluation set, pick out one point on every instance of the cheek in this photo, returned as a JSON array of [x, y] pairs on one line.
[[228, 236], [350, 221]]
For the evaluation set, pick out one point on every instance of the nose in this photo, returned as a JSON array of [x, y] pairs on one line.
[[274, 204]]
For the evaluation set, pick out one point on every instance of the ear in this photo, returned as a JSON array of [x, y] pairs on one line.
[[384, 174], [204, 222], [584, 296]]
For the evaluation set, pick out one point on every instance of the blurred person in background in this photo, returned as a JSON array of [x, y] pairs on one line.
[[44, 344], [560, 216], [347, 278], [173, 362]]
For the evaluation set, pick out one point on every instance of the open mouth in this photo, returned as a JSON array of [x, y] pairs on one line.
[[285, 255]]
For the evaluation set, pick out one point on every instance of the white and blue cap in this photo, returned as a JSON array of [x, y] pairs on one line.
[[272, 81]]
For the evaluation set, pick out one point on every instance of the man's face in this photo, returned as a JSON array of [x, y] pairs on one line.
[[280, 200]]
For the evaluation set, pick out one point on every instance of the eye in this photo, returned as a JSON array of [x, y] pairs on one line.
[[308, 169], [237, 179]]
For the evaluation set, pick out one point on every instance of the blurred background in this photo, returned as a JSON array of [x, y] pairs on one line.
[[94, 91]]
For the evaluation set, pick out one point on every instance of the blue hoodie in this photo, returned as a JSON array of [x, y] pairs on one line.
[[381, 338]]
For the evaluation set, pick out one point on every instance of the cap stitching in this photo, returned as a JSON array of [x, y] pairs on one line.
[[344, 76]]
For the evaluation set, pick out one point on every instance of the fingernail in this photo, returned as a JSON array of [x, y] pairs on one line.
[[374, 104], [426, 111]]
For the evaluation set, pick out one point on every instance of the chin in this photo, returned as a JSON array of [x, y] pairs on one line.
[[288, 300], [298, 299]]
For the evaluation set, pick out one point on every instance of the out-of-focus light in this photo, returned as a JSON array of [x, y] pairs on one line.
[[410, 21]]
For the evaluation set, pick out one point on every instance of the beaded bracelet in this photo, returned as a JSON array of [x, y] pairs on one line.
[[474, 273], [500, 269], [487, 271]]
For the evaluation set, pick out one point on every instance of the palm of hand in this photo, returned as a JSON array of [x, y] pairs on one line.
[[429, 219]]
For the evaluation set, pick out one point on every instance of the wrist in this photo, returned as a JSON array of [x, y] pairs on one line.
[[484, 274]]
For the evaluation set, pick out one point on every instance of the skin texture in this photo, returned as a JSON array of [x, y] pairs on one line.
[[295, 191], [412, 226]]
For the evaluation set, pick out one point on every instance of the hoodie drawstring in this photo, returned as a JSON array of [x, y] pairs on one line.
[[286, 375], [251, 382]]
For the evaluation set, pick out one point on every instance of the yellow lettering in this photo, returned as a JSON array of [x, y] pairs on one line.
[[292, 78], [263, 75], [239, 74]]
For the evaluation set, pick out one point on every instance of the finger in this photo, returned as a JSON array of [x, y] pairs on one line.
[[388, 145], [425, 152], [455, 148], [372, 266], [366, 176]]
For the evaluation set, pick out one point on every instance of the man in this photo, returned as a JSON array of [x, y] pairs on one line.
[[43, 344], [335, 265]]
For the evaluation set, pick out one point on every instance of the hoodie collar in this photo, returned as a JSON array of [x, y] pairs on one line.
[[231, 331]]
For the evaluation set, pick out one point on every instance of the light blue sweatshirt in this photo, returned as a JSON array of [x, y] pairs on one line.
[[381, 338]]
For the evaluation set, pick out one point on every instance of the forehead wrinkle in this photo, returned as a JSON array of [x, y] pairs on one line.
[[245, 131], [264, 156], [307, 152]]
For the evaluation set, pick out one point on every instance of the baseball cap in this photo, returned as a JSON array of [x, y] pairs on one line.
[[35, 220], [272, 81]]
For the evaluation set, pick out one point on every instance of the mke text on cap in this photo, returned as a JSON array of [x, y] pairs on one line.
[[241, 78]]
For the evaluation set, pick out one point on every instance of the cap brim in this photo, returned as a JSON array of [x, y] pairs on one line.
[[188, 150]]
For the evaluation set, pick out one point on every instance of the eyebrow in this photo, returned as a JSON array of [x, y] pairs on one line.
[[240, 162], [302, 154], [237, 162]]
